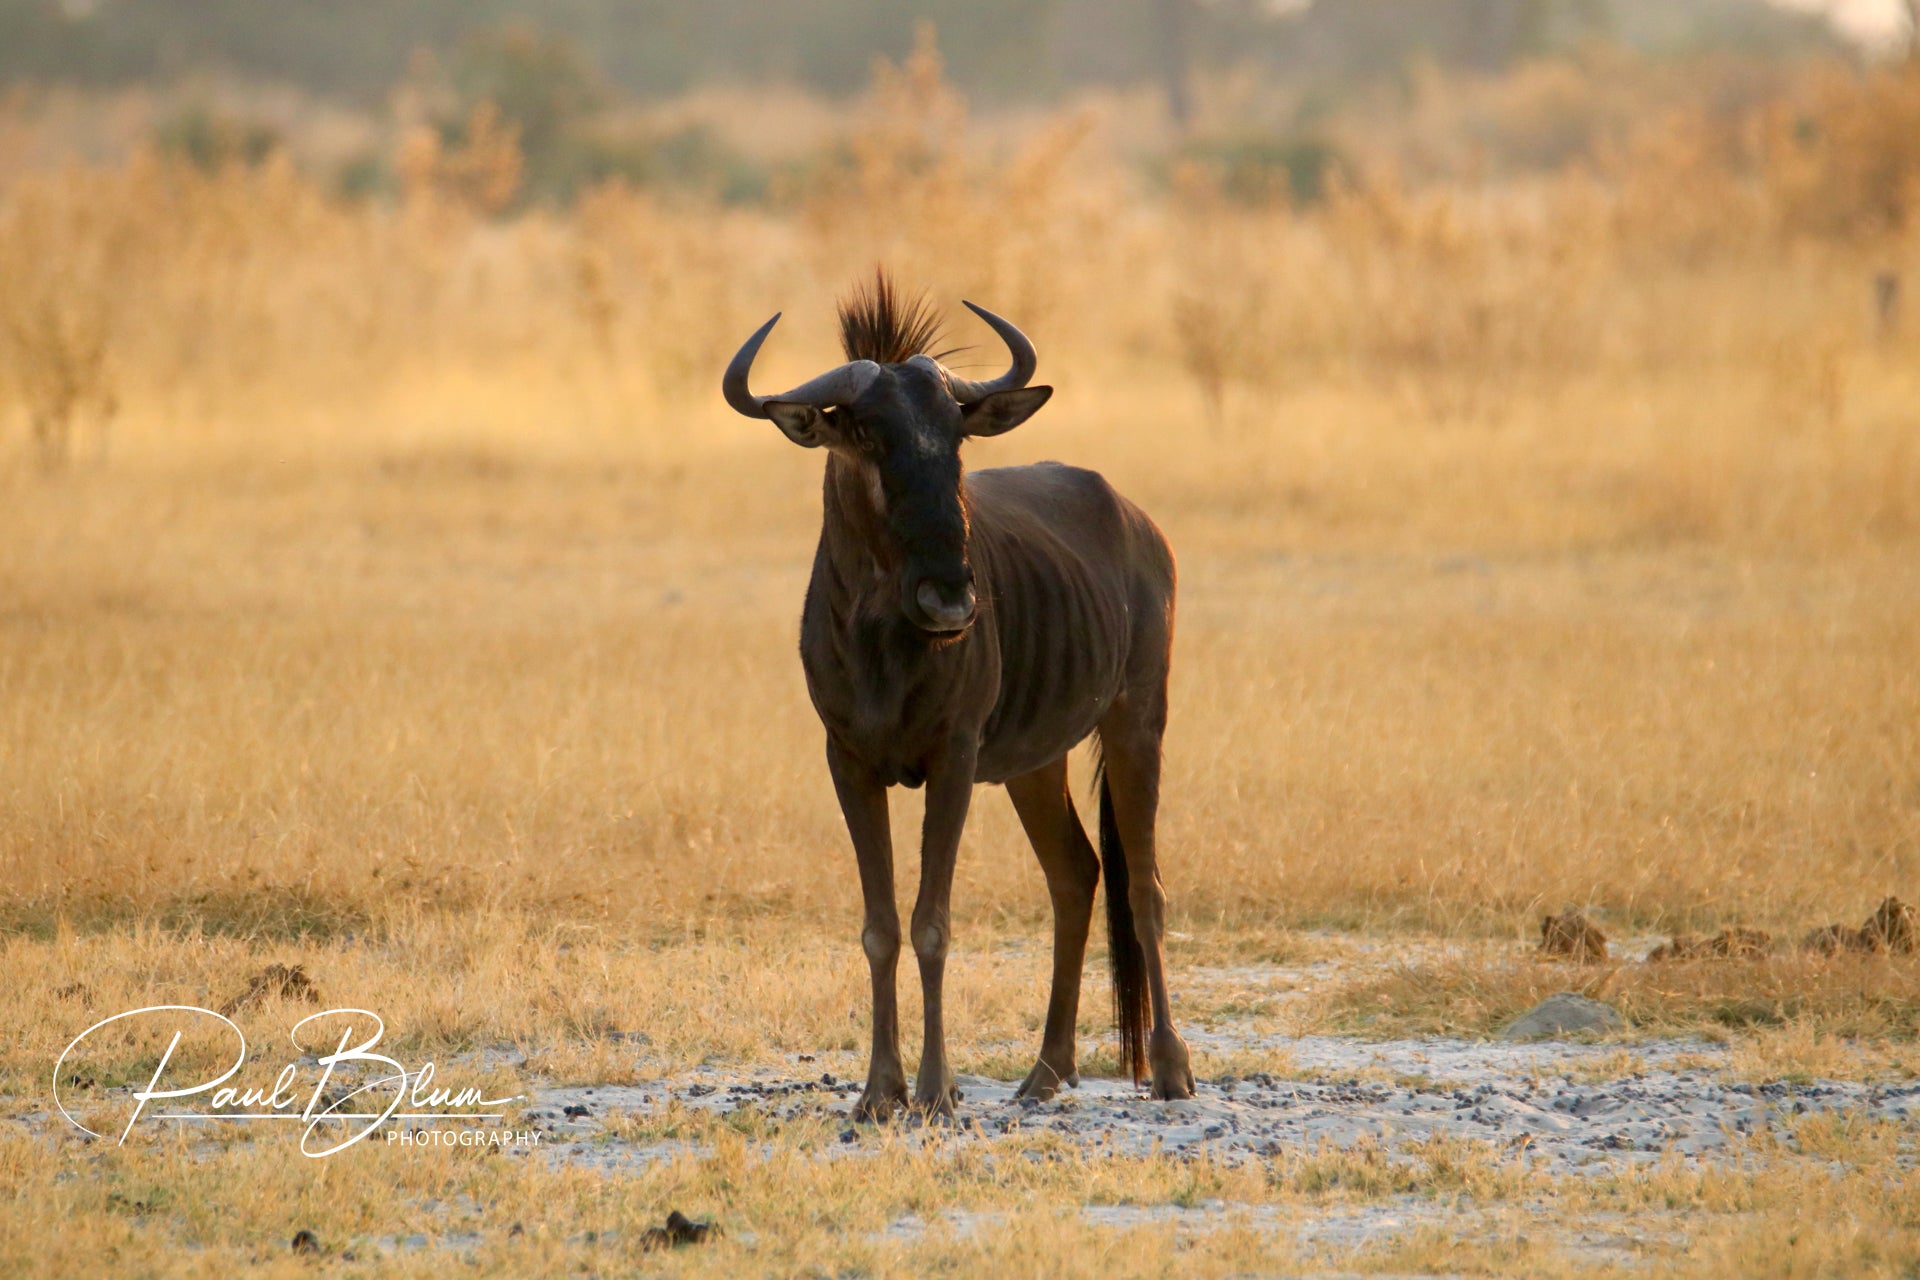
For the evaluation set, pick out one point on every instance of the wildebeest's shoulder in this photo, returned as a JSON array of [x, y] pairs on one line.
[[1051, 490], [1072, 504]]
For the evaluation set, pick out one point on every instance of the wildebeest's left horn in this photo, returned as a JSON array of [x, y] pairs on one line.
[[842, 385], [1025, 361]]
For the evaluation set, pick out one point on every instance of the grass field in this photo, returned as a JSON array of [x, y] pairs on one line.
[[387, 591]]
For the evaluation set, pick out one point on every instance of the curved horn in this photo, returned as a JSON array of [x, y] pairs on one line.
[[836, 386], [1025, 361]]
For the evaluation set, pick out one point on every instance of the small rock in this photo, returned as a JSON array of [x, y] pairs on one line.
[[304, 1241], [1564, 1013], [577, 1112]]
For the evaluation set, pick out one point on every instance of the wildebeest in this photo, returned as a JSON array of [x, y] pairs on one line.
[[964, 628]]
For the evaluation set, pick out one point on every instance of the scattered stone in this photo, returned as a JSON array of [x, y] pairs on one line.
[[679, 1230], [304, 1241], [274, 980], [1728, 944], [575, 1113], [1572, 935], [1563, 1013]]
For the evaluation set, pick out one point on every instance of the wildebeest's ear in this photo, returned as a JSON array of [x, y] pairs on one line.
[[804, 424], [1003, 410]]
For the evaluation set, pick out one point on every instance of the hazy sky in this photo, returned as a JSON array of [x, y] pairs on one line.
[[1876, 21]]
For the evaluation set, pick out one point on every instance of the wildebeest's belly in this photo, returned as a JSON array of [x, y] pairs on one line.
[[1034, 689], [1063, 642]]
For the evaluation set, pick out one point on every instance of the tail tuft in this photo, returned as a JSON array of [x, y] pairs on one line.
[[1123, 944]]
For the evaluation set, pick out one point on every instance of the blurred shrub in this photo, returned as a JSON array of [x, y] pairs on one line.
[[211, 139], [1847, 161], [478, 166], [1257, 168]]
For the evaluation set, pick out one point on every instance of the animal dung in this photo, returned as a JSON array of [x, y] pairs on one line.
[[1728, 944], [679, 1230], [1572, 935], [274, 980], [1893, 927]]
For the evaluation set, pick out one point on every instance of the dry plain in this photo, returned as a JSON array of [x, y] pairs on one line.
[[441, 642]]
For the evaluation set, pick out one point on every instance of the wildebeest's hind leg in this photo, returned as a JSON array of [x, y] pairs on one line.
[[1072, 868], [1130, 744], [863, 802]]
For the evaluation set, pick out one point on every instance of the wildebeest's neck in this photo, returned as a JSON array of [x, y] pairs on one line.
[[854, 533]]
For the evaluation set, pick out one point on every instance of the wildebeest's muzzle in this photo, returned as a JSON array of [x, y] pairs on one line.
[[944, 606]]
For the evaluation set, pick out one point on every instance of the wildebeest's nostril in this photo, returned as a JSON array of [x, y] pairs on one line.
[[948, 610]]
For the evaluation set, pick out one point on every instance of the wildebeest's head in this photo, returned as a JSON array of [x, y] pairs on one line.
[[898, 414]]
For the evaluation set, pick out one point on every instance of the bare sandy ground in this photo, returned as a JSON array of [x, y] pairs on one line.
[[1551, 1101], [1564, 1108], [1571, 1106]]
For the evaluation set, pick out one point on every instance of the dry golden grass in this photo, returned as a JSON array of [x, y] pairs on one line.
[[384, 589]]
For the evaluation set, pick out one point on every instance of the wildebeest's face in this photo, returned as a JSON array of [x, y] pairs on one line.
[[903, 431], [898, 419]]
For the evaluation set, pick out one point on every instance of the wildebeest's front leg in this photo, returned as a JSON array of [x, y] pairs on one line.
[[949, 792], [1073, 872], [863, 802]]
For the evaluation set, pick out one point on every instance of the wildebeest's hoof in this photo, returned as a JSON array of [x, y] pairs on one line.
[[878, 1108], [879, 1100], [934, 1100], [1044, 1081], [1172, 1067]]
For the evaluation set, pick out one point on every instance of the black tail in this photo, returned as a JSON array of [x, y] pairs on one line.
[[1123, 944]]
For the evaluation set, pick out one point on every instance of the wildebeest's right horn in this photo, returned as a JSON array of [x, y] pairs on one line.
[[1025, 361], [836, 386]]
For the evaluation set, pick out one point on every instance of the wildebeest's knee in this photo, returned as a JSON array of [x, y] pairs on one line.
[[880, 944], [930, 941]]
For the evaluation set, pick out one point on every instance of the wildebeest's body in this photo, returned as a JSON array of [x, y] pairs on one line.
[[974, 629], [1059, 617]]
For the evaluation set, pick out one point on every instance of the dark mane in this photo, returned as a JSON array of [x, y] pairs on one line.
[[877, 323]]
